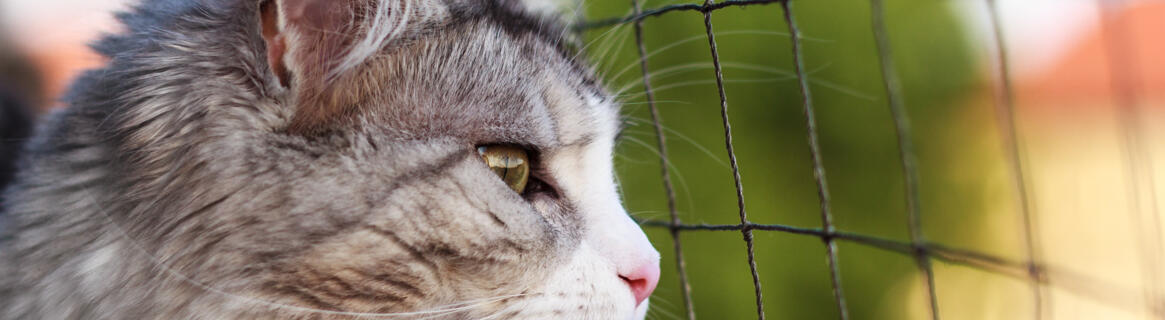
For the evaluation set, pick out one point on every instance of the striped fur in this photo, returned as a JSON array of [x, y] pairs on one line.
[[172, 187]]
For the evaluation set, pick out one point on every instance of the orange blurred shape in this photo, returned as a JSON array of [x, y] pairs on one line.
[[1127, 42], [61, 64]]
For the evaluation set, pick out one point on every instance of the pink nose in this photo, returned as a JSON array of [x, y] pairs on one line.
[[642, 281]]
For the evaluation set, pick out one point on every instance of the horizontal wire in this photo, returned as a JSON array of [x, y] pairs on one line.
[[703, 8], [1068, 280], [941, 252]]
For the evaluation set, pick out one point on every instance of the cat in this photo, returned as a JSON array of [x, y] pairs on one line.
[[327, 159]]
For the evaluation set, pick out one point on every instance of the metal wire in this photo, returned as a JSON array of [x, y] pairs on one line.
[[708, 6], [664, 164], [1005, 113], [748, 240], [1121, 58], [1031, 269], [815, 156], [905, 147]]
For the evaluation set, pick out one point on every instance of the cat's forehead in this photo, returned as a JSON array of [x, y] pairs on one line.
[[481, 82]]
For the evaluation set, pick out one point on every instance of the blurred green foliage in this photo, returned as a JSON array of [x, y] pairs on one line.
[[939, 69]]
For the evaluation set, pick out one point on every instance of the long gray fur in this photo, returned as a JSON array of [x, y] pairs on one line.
[[168, 188]]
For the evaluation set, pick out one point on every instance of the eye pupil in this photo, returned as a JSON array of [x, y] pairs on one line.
[[510, 163]]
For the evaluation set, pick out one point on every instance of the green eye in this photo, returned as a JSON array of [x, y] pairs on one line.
[[509, 162]]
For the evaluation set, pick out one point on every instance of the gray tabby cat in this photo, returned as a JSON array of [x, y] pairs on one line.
[[319, 159]]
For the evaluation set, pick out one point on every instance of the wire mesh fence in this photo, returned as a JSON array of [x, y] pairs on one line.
[[1032, 269]]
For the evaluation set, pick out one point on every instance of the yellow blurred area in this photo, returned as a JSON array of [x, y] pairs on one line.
[[1093, 144]]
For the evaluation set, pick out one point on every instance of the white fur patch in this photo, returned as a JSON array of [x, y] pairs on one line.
[[614, 243]]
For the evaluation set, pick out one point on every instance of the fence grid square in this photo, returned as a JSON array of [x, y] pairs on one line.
[[1031, 270]]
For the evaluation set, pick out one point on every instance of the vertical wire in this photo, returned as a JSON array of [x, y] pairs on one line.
[[815, 154], [906, 152], [1005, 112], [1122, 59], [664, 164], [745, 230]]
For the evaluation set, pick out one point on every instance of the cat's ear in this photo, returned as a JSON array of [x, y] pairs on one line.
[[306, 41], [305, 37], [315, 48]]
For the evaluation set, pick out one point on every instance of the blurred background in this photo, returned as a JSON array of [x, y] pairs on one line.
[[1089, 84]]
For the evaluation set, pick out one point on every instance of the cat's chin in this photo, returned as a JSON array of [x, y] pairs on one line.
[[641, 310]]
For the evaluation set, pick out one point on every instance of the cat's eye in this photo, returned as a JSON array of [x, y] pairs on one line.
[[510, 163]]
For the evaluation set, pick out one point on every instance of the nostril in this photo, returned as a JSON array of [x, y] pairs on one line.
[[642, 281]]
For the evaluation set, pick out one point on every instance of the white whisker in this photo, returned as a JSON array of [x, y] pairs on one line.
[[671, 166], [674, 133]]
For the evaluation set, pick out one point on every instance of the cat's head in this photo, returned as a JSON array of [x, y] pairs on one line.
[[357, 157]]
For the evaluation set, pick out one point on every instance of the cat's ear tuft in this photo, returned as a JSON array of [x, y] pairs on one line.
[[276, 41], [309, 45], [305, 38]]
